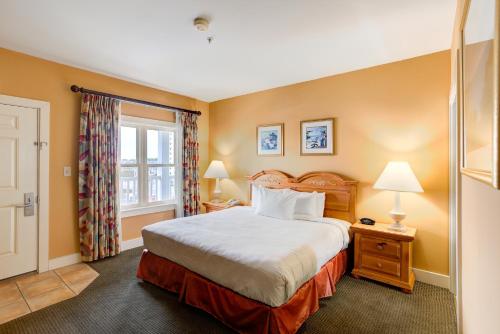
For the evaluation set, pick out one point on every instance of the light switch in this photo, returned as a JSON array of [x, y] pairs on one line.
[[67, 171]]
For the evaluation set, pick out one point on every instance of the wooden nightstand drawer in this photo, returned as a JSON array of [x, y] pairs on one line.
[[386, 266], [379, 246], [384, 255]]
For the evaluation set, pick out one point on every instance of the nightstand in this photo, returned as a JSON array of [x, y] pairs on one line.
[[211, 206], [384, 255]]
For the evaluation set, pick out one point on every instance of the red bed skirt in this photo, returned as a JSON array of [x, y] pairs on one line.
[[241, 313]]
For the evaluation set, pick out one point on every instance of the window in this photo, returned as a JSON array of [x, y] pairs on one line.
[[147, 165]]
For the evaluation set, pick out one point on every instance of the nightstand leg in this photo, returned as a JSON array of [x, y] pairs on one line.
[[355, 276], [408, 291]]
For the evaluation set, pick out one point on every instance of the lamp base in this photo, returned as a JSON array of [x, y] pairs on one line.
[[397, 226], [397, 215], [217, 192]]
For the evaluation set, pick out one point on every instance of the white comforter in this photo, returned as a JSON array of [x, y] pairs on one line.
[[262, 258]]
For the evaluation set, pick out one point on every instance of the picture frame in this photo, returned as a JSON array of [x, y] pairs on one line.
[[478, 69], [317, 137], [270, 140]]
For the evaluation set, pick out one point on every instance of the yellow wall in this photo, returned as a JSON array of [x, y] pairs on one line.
[[397, 111], [138, 110], [29, 77], [132, 226], [479, 238], [394, 111]]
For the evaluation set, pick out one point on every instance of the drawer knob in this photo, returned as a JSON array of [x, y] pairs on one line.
[[379, 264], [381, 245]]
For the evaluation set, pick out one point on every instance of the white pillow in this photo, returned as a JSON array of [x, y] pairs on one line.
[[277, 204], [320, 203], [306, 206], [255, 195]]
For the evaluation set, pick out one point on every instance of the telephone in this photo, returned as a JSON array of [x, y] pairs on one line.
[[232, 202], [367, 221]]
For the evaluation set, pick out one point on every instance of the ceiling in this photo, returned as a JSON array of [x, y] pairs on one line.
[[258, 44]]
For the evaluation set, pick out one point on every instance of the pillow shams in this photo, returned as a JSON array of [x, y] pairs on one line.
[[306, 206], [320, 203], [255, 195], [309, 205], [277, 204]]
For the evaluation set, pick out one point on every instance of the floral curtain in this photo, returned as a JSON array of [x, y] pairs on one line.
[[190, 158], [98, 177]]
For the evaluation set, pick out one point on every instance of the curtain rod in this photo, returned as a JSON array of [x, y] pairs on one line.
[[76, 89]]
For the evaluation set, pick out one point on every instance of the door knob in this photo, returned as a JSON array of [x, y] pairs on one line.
[[29, 204]]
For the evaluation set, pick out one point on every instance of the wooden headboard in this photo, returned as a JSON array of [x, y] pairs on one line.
[[340, 192]]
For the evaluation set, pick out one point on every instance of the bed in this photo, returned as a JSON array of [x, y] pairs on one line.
[[256, 274]]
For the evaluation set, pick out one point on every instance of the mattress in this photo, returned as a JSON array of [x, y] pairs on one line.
[[262, 258]]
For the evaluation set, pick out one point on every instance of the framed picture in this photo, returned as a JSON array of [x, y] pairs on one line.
[[479, 89], [270, 139], [316, 137]]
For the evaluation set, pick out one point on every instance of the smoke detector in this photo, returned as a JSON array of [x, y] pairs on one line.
[[201, 24]]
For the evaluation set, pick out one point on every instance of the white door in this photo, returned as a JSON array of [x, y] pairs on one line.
[[18, 176]]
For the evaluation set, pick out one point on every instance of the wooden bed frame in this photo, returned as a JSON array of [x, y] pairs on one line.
[[246, 315], [340, 192]]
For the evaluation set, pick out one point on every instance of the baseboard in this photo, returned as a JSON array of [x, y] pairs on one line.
[[432, 278], [70, 259], [132, 243], [63, 261]]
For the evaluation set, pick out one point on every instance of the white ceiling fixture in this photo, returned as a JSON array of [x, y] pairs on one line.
[[201, 24], [261, 44]]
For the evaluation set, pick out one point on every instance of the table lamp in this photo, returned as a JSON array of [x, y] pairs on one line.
[[398, 177], [217, 171]]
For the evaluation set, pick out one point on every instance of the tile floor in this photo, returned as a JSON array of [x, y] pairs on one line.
[[30, 292]]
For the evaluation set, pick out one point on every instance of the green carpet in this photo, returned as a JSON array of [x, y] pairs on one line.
[[116, 302]]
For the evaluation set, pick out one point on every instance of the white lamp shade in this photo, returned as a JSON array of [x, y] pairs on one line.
[[398, 176], [216, 170]]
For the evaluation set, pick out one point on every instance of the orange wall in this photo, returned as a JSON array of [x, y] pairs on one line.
[[137, 110], [397, 111], [408, 101], [29, 77], [131, 226], [479, 238]]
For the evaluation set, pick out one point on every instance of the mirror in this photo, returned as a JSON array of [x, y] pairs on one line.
[[479, 91]]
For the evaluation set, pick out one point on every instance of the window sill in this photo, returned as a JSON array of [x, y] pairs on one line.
[[146, 210]]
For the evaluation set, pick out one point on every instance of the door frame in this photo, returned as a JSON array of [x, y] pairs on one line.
[[455, 190], [43, 125]]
